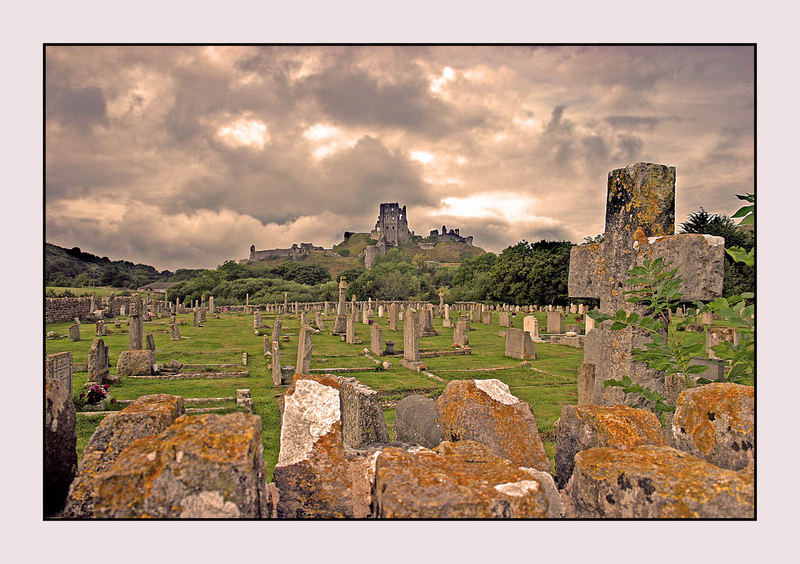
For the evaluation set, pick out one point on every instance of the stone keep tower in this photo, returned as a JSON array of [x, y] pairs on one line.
[[392, 225]]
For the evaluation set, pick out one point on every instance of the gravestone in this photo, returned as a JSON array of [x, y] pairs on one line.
[[174, 333], [426, 323], [60, 435], [74, 332], [640, 224], [365, 315], [211, 305], [504, 319], [716, 367], [196, 318], [716, 335], [350, 329], [100, 328], [389, 348], [151, 343], [486, 317], [276, 330], [318, 321], [303, 365], [376, 339], [410, 341], [441, 302], [258, 323], [589, 324], [707, 318], [380, 311], [531, 325], [519, 345], [340, 323], [327, 308], [277, 377], [460, 336], [554, 322], [586, 384], [392, 317], [98, 362], [446, 321]]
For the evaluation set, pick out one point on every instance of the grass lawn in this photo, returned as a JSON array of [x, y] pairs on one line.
[[547, 384]]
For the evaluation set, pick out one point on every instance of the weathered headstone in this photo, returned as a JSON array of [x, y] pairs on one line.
[[276, 330], [416, 422], [340, 323], [98, 362], [135, 324], [389, 348], [277, 374], [74, 332], [486, 317], [60, 435], [258, 322], [504, 319], [586, 384], [410, 341], [174, 333], [531, 325], [196, 317], [426, 323], [376, 339], [519, 345], [716, 335], [460, 333], [640, 224], [151, 343], [589, 324], [350, 329], [554, 322], [304, 349], [135, 363], [392, 317], [101, 329]]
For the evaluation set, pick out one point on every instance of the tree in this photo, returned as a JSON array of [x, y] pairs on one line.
[[528, 273]]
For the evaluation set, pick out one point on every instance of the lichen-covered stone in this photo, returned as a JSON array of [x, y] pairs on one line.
[[60, 435], [485, 411], [312, 475], [415, 422], [656, 482], [136, 363], [456, 480], [715, 422], [202, 466], [584, 427], [146, 416], [362, 414]]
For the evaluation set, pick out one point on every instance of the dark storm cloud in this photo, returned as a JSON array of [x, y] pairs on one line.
[[634, 122], [80, 108]]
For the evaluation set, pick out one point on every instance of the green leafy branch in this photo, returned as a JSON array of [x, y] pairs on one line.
[[737, 314], [748, 215]]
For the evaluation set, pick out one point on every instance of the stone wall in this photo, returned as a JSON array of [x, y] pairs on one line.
[[59, 310]]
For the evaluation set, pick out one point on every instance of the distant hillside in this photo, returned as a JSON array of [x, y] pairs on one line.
[[345, 255], [73, 267]]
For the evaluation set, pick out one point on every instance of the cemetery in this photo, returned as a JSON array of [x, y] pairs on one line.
[[378, 409]]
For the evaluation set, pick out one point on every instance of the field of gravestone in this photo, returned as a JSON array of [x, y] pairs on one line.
[[546, 384]]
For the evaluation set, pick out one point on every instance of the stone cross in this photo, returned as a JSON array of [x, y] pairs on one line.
[[640, 224], [441, 301]]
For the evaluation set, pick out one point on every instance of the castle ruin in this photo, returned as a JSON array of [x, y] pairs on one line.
[[392, 225], [449, 236], [296, 252]]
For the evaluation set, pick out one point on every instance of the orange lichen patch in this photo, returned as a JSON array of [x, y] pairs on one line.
[[324, 379], [640, 237], [456, 480], [206, 447], [622, 426], [718, 399], [468, 413], [675, 476], [155, 404]]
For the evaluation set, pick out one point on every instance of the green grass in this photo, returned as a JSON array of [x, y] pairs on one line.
[[547, 384], [98, 291]]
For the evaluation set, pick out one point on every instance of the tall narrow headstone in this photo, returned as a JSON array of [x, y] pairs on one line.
[[589, 323], [392, 317], [531, 325], [350, 329], [460, 333], [340, 323], [174, 333], [98, 362], [319, 322], [74, 332], [504, 319], [410, 340], [304, 345], [196, 317], [151, 343], [276, 330], [100, 328], [135, 324], [376, 339], [277, 374], [380, 311], [640, 224]]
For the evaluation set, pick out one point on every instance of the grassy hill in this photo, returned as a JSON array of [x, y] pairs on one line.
[[73, 267]]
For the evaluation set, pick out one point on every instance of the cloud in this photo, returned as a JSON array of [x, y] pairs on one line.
[[241, 145]]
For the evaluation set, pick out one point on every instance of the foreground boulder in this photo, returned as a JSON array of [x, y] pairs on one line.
[[60, 435], [415, 422], [458, 480], [485, 411], [136, 363], [715, 422], [655, 482], [313, 476], [589, 426], [146, 416], [204, 466]]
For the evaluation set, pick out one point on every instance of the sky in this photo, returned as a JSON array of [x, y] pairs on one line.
[[182, 157]]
